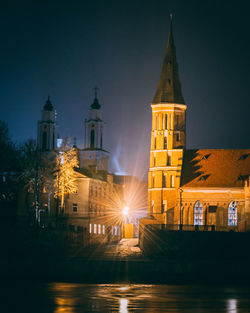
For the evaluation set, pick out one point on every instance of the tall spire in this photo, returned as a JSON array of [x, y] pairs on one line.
[[169, 87], [48, 105]]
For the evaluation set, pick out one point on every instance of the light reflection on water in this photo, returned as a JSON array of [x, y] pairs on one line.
[[76, 298]]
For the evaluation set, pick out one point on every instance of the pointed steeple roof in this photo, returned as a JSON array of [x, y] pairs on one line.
[[48, 105], [95, 105], [169, 87]]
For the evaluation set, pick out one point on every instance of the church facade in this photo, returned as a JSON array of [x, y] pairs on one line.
[[191, 189]]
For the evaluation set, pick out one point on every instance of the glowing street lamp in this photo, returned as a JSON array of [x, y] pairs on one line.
[[125, 211]]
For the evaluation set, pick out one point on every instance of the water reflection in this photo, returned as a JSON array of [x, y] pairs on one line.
[[123, 306], [232, 306], [123, 298]]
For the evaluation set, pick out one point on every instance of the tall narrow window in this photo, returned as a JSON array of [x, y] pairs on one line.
[[232, 213], [177, 122], [198, 213], [154, 142], [164, 180], [166, 121], [90, 228], [169, 159], [99, 229], [165, 145], [92, 139], [44, 141], [172, 181], [177, 136], [95, 228], [101, 139], [153, 181], [103, 229]]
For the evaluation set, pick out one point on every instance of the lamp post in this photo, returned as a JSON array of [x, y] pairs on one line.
[[125, 212], [181, 191]]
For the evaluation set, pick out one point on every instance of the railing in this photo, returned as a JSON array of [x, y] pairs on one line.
[[180, 227]]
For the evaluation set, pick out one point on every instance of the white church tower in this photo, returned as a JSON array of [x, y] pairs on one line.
[[46, 133], [93, 154]]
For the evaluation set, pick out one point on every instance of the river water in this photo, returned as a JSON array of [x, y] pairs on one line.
[[75, 298]]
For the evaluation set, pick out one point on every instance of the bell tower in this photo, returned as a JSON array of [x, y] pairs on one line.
[[93, 154], [46, 133], [168, 139]]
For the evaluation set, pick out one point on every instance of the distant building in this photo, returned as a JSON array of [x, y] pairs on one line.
[[46, 130], [191, 187], [93, 154]]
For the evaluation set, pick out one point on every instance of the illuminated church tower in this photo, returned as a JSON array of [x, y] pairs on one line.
[[46, 133], [167, 139], [93, 155]]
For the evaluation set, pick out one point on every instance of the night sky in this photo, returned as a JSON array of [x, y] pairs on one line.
[[65, 48]]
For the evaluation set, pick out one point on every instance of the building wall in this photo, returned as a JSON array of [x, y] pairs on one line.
[[98, 208], [220, 198], [166, 157]]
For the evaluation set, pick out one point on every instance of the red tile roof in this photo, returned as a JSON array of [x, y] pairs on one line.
[[215, 168]]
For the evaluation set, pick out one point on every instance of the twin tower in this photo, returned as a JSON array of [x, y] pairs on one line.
[[92, 155]]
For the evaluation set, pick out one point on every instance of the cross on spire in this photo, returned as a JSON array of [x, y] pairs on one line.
[[96, 105], [96, 90]]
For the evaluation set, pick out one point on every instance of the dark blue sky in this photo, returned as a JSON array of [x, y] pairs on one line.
[[65, 48]]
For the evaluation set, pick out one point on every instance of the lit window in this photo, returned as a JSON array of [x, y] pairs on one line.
[[112, 230], [164, 180], [172, 181], [198, 213], [115, 230], [232, 213], [165, 145], [169, 159], [95, 228], [103, 229], [90, 228], [74, 206], [119, 230], [99, 229], [166, 121]]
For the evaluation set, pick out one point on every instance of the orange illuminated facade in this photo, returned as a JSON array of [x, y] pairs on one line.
[[201, 187]]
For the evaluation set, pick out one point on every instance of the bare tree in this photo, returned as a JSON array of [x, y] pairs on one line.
[[66, 163]]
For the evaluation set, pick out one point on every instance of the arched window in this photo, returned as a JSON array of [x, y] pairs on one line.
[[198, 213], [232, 213], [92, 139]]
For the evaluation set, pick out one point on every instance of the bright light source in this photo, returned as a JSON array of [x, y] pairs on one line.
[[125, 210]]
